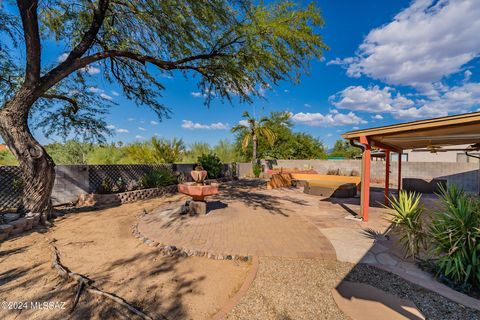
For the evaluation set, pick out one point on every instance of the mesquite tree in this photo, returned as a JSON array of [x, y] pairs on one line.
[[233, 47]]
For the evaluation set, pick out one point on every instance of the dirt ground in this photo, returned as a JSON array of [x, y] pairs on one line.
[[100, 245]]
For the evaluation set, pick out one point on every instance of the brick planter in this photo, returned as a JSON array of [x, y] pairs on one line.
[[93, 199]]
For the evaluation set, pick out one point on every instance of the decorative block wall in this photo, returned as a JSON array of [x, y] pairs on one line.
[[71, 181]]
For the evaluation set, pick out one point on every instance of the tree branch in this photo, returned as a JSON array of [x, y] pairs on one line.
[[90, 34], [73, 102], [57, 74], [28, 13]]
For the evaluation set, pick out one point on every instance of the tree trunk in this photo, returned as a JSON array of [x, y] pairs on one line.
[[254, 139], [37, 167]]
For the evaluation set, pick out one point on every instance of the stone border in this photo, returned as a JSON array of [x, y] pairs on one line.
[[93, 199], [170, 250], [19, 225], [235, 300]]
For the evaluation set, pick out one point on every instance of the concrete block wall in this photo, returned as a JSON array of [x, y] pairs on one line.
[[70, 182], [463, 174], [244, 169]]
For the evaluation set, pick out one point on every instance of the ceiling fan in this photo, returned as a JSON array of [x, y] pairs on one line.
[[436, 148]]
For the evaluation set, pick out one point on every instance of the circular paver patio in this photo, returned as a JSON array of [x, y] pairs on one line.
[[241, 221]]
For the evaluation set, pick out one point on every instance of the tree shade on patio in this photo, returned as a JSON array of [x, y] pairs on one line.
[[433, 134]]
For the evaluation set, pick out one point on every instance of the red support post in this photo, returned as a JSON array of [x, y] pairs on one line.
[[365, 190], [387, 176], [399, 183]]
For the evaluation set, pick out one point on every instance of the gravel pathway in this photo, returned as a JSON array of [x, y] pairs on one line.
[[287, 289], [292, 289], [432, 305]]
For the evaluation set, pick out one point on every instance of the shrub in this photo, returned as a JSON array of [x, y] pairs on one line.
[[212, 163], [17, 184], [407, 218], [158, 178], [257, 169], [105, 187], [455, 231]]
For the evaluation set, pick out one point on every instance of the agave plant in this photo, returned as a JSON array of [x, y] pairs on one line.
[[455, 232], [407, 219]]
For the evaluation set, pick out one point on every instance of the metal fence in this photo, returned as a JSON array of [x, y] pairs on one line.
[[10, 187], [119, 175]]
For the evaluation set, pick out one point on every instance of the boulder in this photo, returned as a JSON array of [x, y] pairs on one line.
[[9, 217]]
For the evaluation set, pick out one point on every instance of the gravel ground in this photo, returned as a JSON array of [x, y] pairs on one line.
[[292, 289], [287, 289], [432, 305]]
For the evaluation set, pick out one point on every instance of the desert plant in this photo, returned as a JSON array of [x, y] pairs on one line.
[[17, 184], [211, 162], [407, 219], [158, 178], [257, 169], [105, 187], [455, 234]]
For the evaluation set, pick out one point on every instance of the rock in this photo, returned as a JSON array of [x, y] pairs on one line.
[[6, 229], [29, 224], [9, 217], [171, 248], [3, 236], [198, 207], [19, 224]]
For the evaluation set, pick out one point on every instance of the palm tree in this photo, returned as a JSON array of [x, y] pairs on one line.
[[168, 151], [253, 130]]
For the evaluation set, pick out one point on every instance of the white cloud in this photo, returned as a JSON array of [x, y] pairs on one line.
[[355, 128], [286, 91], [95, 90], [467, 75], [130, 119], [142, 129], [139, 137], [153, 123], [244, 123], [62, 57], [115, 93], [91, 70], [197, 94], [187, 124], [455, 99], [377, 117], [327, 120], [373, 99], [111, 127], [306, 105], [120, 130], [105, 96], [425, 42]]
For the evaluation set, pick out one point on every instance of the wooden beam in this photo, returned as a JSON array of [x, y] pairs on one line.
[[399, 183], [365, 189], [387, 176]]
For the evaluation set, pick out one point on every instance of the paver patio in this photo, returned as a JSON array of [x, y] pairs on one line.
[[244, 222]]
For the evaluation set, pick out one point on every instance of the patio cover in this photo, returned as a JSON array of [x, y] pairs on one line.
[[438, 132]]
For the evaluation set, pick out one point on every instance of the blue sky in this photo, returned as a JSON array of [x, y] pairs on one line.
[[389, 62]]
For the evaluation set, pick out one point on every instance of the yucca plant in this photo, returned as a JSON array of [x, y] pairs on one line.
[[455, 234], [407, 219]]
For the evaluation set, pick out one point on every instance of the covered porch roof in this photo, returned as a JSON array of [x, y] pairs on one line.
[[431, 134], [442, 132]]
